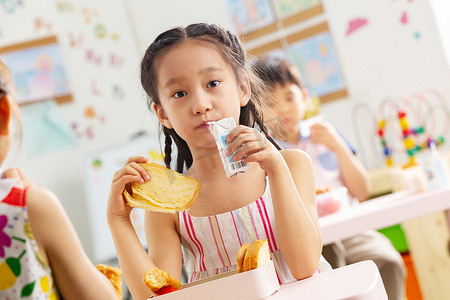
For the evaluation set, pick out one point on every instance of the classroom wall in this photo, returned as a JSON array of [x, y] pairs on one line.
[[108, 104], [386, 57], [397, 53]]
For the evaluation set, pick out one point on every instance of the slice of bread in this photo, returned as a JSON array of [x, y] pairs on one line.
[[257, 255], [115, 277], [166, 191], [240, 257], [155, 279]]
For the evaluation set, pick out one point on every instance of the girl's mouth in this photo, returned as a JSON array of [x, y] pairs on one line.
[[204, 125]]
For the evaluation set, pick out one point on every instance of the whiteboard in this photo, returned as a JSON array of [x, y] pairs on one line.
[[99, 168]]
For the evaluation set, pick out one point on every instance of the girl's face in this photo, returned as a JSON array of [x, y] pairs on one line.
[[287, 107], [5, 139], [196, 85]]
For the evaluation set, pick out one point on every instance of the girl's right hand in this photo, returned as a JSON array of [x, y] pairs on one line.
[[18, 173], [131, 172]]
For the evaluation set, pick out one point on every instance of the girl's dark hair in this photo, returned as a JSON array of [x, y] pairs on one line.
[[233, 53], [274, 70]]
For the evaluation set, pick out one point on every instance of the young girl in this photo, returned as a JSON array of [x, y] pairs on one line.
[[194, 75], [40, 254], [335, 166]]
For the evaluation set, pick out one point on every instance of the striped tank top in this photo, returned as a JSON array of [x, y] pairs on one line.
[[210, 244]]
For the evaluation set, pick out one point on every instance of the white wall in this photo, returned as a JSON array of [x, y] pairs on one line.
[[384, 58], [150, 18], [62, 171]]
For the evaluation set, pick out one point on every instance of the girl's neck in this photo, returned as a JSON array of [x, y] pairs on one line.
[[206, 165]]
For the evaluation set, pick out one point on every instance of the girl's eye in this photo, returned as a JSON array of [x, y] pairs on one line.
[[179, 94], [213, 83]]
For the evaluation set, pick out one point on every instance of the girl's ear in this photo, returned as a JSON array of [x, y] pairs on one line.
[[162, 116], [5, 115], [246, 91]]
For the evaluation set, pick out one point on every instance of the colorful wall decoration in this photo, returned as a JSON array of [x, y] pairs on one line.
[[38, 70]]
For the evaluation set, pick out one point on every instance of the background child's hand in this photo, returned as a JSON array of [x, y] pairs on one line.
[[19, 174], [131, 172], [324, 133], [252, 146]]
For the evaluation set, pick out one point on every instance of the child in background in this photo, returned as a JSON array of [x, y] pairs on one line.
[[334, 163], [40, 254], [194, 75]]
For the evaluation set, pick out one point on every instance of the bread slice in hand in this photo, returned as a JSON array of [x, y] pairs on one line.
[[256, 255], [155, 279], [166, 191], [115, 277]]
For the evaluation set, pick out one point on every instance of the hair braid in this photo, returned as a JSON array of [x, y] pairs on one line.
[[167, 148]]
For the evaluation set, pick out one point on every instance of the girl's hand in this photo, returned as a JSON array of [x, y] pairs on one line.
[[131, 172], [324, 133], [252, 146], [18, 173]]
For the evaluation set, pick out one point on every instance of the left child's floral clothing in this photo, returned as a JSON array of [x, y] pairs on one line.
[[23, 272]]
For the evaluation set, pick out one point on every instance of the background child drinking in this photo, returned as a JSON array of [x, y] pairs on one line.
[[194, 75], [335, 166], [40, 254]]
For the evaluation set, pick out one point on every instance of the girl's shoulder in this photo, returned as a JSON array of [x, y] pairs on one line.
[[299, 164], [41, 200], [295, 156]]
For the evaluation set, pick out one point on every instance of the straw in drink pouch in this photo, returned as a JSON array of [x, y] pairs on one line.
[[220, 129]]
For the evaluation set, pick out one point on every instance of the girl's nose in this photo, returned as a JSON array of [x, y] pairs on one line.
[[201, 104]]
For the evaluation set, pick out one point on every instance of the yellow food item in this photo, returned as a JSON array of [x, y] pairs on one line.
[[115, 277], [155, 279], [166, 191], [322, 189], [240, 257], [254, 256]]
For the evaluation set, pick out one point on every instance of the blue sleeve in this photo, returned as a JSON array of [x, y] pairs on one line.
[[348, 144]]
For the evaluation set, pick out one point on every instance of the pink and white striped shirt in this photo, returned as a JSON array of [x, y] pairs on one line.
[[210, 244]]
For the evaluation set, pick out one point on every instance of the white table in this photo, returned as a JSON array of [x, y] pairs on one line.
[[382, 212], [359, 281]]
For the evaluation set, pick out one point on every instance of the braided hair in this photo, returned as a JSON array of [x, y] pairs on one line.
[[233, 53]]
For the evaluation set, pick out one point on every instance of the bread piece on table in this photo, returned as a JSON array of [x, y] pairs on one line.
[[322, 189], [115, 277], [257, 255], [240, 257], [155, 279], [166, 191]]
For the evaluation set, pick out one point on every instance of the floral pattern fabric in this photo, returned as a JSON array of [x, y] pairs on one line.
[[23, 273]]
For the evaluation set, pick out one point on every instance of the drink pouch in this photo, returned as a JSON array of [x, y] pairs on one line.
[[220, 130]]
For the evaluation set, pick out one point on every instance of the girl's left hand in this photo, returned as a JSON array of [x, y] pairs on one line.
[[324, 133], [252, 146], [18, 173]]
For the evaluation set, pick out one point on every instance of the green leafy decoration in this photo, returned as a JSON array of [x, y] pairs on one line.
[[28, 289]]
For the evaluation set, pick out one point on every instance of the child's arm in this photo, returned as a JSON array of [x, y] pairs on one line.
[[293, 192], [354, 175], [133, 258], [163, 241], [74, 274]]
